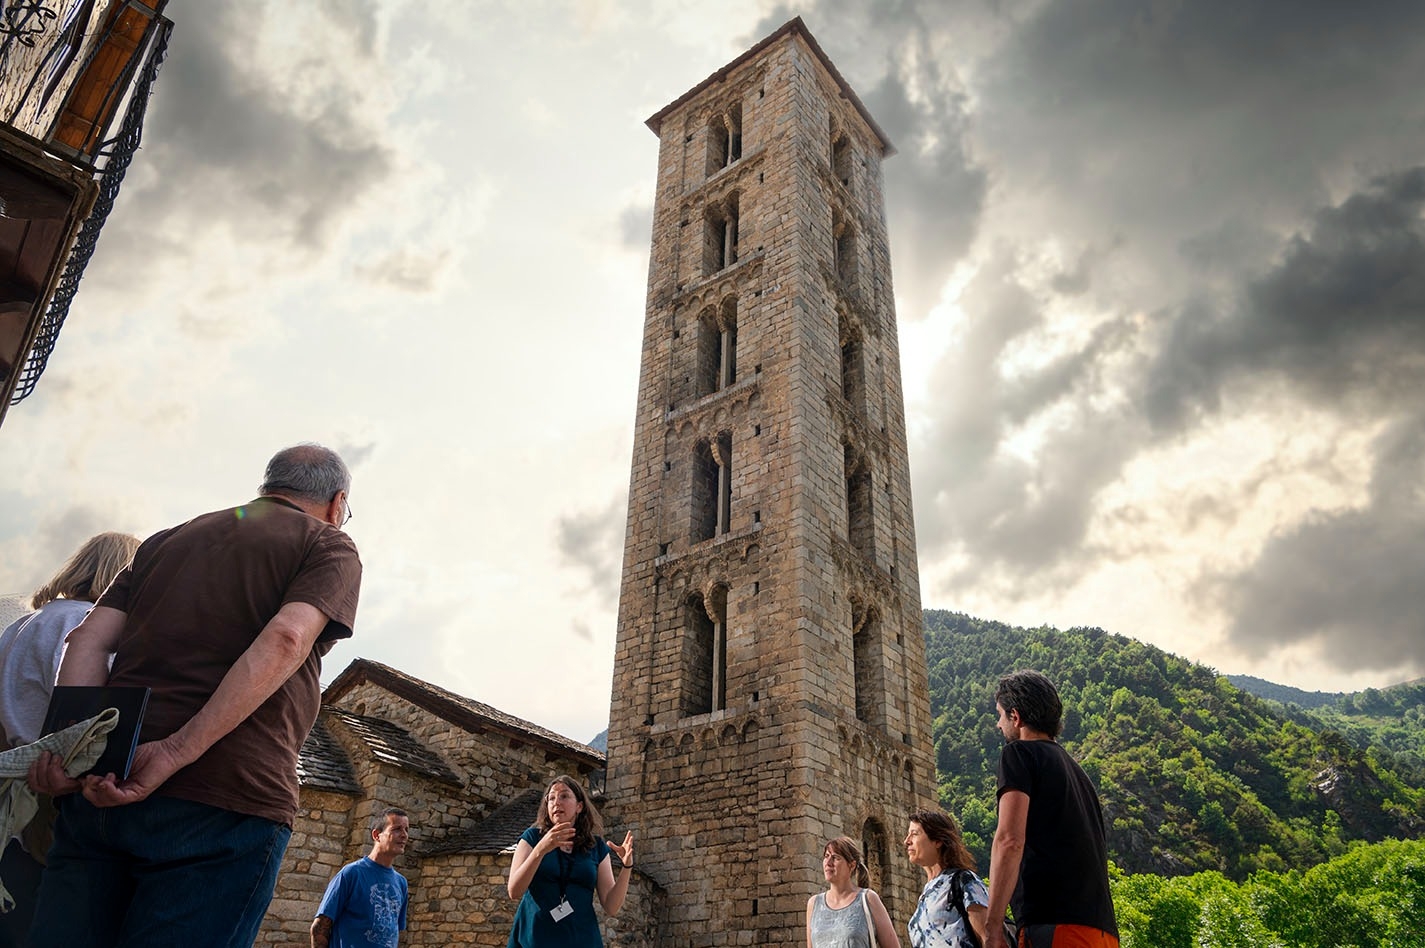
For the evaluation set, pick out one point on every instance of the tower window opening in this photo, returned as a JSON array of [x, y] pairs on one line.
[[859, 526], [705, 655], [841, 158], [724, 139], [852, 358], [720, 236], [843, 249], [866, 660], [712, 487]]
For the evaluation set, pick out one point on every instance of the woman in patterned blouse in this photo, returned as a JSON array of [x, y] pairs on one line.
[[933, 843]]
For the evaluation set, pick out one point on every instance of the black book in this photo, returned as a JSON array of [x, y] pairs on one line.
[[70, 704]]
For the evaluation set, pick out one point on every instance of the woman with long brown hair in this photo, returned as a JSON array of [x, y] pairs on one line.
[[952, 906], [848, 914], [559, 865]]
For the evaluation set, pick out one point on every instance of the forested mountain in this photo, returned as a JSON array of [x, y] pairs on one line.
[[1284, 694], [1194, 774], [1391, 720]]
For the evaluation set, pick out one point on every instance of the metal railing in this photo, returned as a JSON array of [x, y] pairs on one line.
[[47, 49]]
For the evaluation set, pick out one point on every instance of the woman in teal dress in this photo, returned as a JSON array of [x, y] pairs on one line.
[[559, 865]]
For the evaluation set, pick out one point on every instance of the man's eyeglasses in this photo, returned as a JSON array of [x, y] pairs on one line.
[[346, 519]]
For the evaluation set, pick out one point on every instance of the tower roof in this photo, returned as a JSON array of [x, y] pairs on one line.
[[794, 26]]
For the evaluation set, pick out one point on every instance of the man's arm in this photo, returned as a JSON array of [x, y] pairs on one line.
[[86, 662], [277, 652], [89, 646], [1005, 855], [321, 932]]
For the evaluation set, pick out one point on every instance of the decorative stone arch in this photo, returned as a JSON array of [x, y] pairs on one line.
[[875, 849]]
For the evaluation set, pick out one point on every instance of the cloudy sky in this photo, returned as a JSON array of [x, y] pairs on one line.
[[1160, 271]]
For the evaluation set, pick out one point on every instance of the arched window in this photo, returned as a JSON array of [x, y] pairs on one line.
[[841, 157], [717, 347], [866, 658], [852, 364], [860, 528], [705, 654], [712, 487], [724, 139], [720, 235], [843, 249], [875, 849]]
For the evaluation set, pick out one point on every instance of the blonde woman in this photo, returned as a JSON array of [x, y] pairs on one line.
[[30, 649], [848, 914]]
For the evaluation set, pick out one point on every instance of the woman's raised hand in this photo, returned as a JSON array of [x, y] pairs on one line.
[[624, 852]]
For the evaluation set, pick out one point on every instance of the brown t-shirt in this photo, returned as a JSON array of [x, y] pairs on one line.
[[196, 596]]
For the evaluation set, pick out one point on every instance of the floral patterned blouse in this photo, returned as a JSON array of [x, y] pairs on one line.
[[937, 923]]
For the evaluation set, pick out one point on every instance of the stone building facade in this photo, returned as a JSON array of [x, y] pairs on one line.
[[769, 677], [471, 778]]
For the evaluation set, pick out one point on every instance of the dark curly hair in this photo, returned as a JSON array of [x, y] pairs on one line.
[[1035, 698]]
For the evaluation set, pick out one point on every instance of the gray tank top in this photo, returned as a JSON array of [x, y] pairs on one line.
[[839, 928]]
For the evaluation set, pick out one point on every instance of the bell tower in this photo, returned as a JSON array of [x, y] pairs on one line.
[[769, 679]]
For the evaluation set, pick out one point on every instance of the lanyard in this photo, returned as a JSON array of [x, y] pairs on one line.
[[566, 871]]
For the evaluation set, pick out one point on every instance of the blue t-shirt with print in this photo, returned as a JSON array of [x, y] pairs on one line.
[[366, 902]]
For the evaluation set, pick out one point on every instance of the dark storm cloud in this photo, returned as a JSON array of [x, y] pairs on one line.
[[1341, 319], [935, 188], [1351, 581], [592, 541], [228, 147]]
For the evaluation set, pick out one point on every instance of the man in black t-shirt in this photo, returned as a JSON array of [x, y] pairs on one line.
[[1049, 848]]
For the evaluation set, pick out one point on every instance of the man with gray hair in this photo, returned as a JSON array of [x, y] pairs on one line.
[[226, 618]]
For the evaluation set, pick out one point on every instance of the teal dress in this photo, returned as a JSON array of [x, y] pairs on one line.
[[560, 875]]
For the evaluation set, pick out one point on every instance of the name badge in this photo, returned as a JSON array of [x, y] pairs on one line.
[[562, 911]]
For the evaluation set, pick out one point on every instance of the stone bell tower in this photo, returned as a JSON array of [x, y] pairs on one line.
[[769, 679]]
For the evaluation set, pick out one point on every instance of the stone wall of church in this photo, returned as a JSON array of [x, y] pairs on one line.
[[319, 846]]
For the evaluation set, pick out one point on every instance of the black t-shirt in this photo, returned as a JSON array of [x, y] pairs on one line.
[[1063, 877]]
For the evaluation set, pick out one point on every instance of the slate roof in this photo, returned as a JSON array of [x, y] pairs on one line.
[[394, 745], [497, 833], [469, 715], [323, 765]]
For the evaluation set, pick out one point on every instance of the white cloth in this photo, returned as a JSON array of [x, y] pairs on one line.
[[30, 650], [78, 745]]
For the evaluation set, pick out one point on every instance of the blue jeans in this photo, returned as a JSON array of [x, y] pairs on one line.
[[156, 873]]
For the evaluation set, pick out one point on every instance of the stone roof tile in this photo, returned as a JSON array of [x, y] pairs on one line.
[[394, 745], [497, 833], [323, 765]]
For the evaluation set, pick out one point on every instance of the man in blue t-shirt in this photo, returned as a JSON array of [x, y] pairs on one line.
[[365, 903]]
